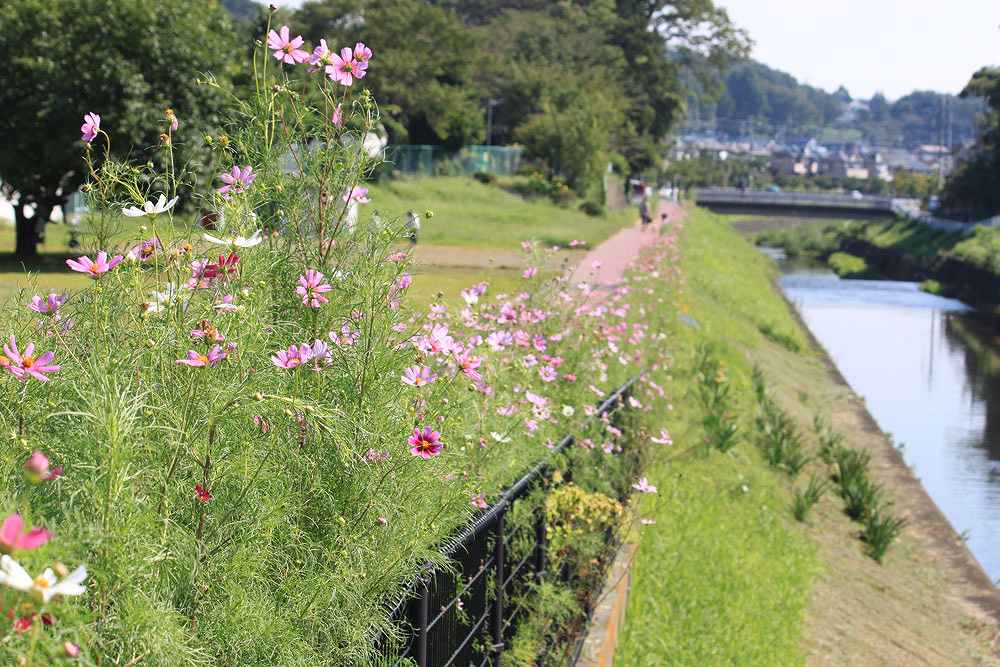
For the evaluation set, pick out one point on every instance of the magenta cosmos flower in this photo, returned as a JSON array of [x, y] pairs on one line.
[[14, 537], [344, 68], [236, 180], [23, 365], [312, 288], [425, 443], [285, 49], [95, 269], [199, 360], [91, 126], [418, 376], [48, 305], [338, 116]]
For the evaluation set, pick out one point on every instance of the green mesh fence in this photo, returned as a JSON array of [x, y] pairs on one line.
[[422, 159]]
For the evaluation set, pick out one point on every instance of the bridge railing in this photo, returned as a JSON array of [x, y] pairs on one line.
[[768, 198]]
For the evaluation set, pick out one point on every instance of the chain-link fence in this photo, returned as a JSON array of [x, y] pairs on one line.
[[427, 160]]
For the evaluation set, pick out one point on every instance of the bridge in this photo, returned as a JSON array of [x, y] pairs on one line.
[[801, 204]]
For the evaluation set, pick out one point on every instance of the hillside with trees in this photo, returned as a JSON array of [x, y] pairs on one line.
[[752, 97]]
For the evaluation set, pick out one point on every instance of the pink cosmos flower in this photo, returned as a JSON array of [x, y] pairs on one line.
[[286, 50], [199, 360], [320, 57], [547, 373], [144, 251], [530, 272], [226, 305], [425, 443], [94, 269], [469, 364], [418, 376], [319, 353], [293, 357], [71, 649], [346, 337], [25, 364], [664, 438], [643, 486], [357, 194], [207, 330], [362, 53], [14, 537], [37, 467], [49, 305], [344, 69], [478, 501], [311, 288], [236, 180], [375, 456], [338, 116], [91, 126]]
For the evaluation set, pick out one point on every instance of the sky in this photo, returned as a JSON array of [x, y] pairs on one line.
[[892, 46]]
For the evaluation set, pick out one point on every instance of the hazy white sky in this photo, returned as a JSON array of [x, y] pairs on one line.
[[893, 46]]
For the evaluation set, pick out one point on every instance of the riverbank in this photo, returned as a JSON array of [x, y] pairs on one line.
[[962, 266], [725, 551]]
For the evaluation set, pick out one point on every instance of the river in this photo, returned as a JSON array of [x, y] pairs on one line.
[[930, 377]]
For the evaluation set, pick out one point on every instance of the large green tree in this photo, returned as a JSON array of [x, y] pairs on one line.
[[973, 189], [424, 67], [127, 60]]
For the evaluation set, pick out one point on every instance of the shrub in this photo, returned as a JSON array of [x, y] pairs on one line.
[[485, 177], [880, 531], [847, 266], [806, 498], [592, 208], [576, 520], [931, 286]]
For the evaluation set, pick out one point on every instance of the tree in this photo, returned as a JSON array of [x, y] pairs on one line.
[[127, 60], [425, 61], [973, 189]]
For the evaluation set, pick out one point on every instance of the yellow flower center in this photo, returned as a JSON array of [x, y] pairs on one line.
[[4, 361], [27, 362], [41, 582], [202, 358]]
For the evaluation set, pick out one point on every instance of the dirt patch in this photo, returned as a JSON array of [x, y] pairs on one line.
[[930, 603]]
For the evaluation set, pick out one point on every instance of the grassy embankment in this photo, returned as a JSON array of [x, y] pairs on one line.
[[726, 575], [474, 235]]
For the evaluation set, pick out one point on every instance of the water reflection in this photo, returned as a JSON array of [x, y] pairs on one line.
[[930, 376]]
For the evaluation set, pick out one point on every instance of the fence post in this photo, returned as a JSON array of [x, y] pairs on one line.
[[540, 545], [498, 556], [422, 619]]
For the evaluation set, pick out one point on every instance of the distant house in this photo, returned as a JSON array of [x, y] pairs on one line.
[[877, 167], [843, 164]]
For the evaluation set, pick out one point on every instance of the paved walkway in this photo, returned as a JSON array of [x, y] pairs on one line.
[[614, 255]]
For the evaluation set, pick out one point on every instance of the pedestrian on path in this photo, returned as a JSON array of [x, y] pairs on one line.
[[644, 213]]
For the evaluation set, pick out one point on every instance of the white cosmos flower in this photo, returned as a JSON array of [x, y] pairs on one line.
[[150, 209], [44, 586], [499, 437], [160, 301], [568, 411], [238, 242]]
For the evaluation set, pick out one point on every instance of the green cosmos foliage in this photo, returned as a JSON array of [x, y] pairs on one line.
[[245, 510]]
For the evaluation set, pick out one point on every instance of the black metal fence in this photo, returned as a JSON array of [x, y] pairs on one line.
[[465, 615]]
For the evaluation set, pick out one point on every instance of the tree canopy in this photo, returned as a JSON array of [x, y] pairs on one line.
[[128, 61], [973, 189]]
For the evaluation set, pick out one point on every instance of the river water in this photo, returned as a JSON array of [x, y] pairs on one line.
[[930, 376]]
